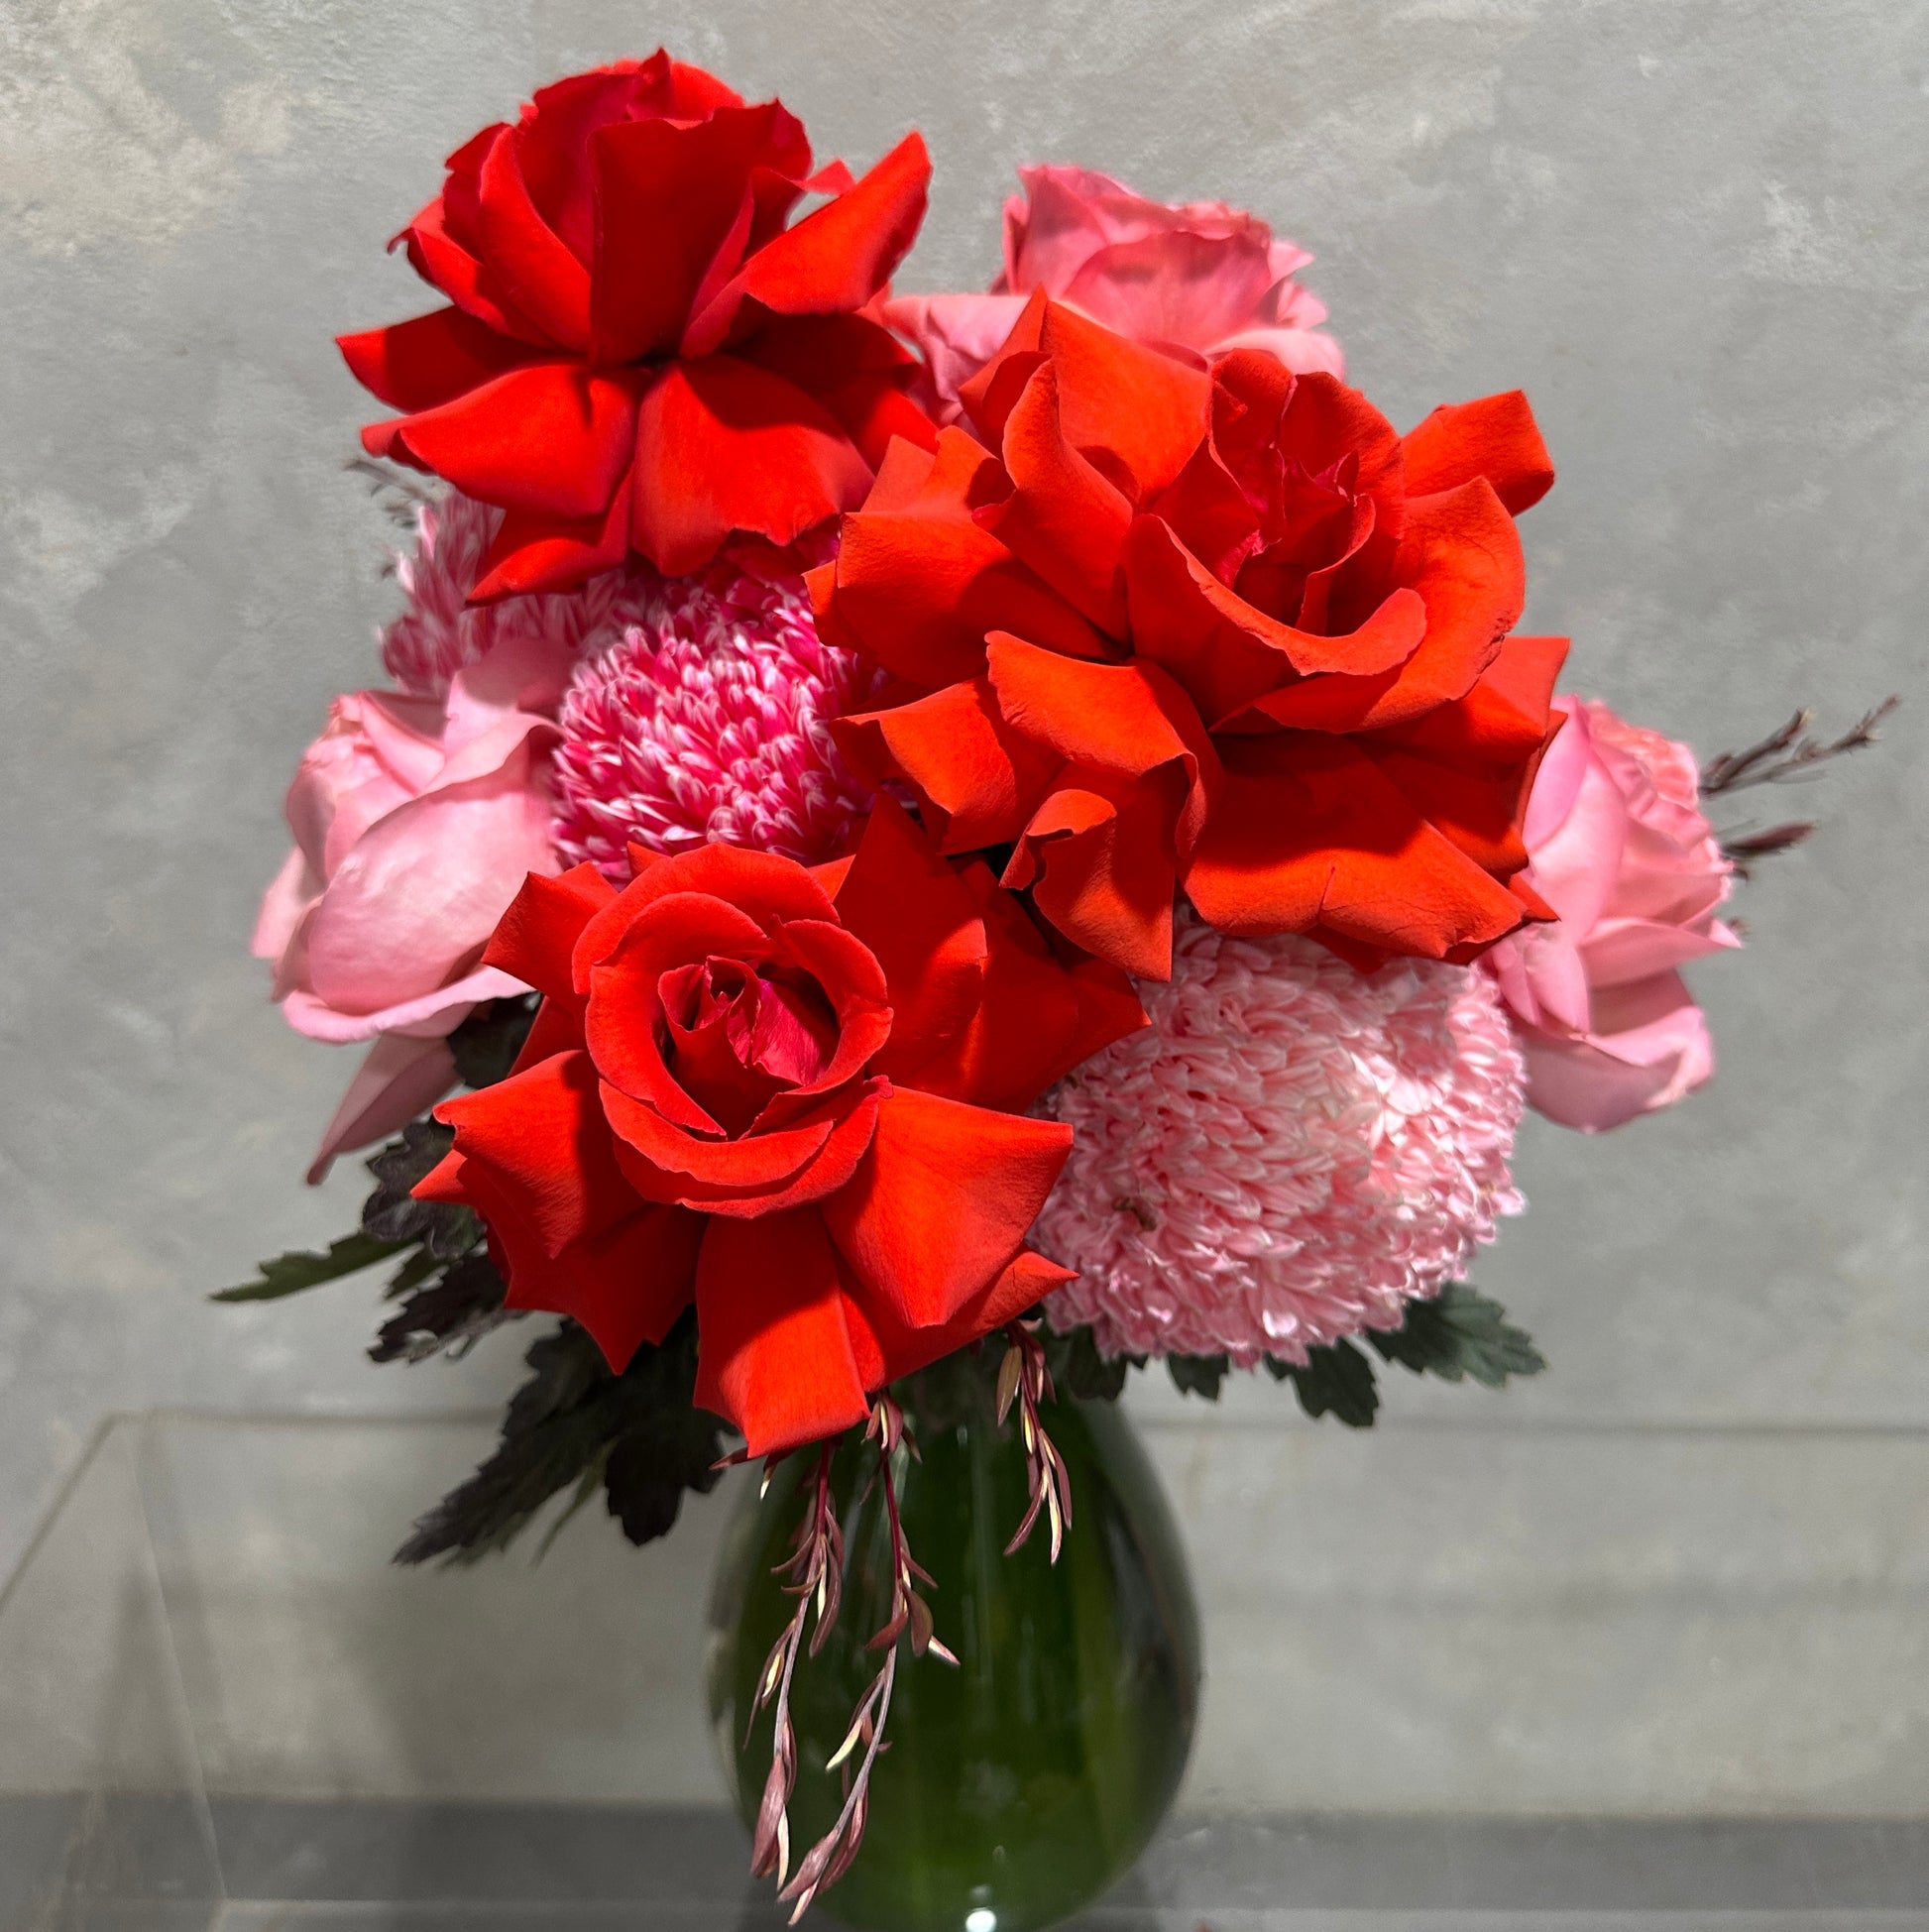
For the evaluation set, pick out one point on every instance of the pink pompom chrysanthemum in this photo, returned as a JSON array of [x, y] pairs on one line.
[[441, 632], [1285, 1155], [708, 719]]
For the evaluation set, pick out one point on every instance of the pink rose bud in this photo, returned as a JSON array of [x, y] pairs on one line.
[[1619, 849], [1193, 279]]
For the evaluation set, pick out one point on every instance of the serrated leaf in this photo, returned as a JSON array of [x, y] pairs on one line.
[[451, 1311], [572, 1417], [420, 1266], [391, 1213], [485, 1044], [1460, 1333], [654, 1463], [1335, 1379], [290, 1274], [1199, 1375]]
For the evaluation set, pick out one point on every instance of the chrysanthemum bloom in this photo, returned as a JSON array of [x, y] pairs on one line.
[[1288, 1154], [1195, 280], [1621, 849], [639, 349], [1228, 632], [709, 719], [794, 1095]]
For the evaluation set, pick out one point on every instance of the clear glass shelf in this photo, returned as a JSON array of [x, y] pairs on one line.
[[1457, 1677]]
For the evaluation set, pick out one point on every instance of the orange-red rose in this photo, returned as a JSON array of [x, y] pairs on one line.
[[1223, 631], [638, 349], [792, 1093]]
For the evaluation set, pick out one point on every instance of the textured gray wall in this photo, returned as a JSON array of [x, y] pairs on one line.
[[1694, 230]]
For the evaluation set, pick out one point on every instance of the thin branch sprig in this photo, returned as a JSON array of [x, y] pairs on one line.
[[1790, 753], [1787, 756], [1024, 1378], [813, 1573]]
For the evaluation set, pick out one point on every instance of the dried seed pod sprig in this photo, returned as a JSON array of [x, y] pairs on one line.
[[814, 1569], [1790, 752], [1785, 756], [813, 1573], [1024, 1378]]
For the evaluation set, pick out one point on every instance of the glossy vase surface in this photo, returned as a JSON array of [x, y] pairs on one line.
[[1021, 1783]]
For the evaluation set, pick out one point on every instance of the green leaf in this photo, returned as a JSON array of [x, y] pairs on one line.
[[556, 1424], [413, 1273], [450, 1312], [485, 1044], [291, 1273], [1078, 1369], [1199, 1375], [1459, 1333], [1336, 1380], [667, 1444], [573, 1423], [391, 1213]]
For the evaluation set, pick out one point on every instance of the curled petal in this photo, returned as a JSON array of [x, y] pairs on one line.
[[723, 445], [977, 780], [758, 1173], [920, 921], [1324, 842], [941, 1199], [1100, 859], [536, 937], [431, 360], [542, 1137], [1496, 438], [901, 1349], [836, 258], [552, 437]]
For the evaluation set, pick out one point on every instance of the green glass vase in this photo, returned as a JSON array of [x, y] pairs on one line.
[[1017, 1785]]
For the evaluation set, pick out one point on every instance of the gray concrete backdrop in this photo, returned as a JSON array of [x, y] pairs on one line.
[[1696, 231]]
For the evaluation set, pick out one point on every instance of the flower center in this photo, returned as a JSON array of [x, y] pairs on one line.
[[738, 1032]]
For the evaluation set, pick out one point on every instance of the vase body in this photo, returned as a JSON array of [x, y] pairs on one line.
[[1018, 1785]]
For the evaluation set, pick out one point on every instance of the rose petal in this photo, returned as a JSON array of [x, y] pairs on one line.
[[941, 1199], [774, 1355]]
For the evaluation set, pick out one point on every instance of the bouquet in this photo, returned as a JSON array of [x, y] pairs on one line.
[[1012, 827]]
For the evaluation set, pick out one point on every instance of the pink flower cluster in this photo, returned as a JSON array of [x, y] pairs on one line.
[[1289, 1152], [528, 733]]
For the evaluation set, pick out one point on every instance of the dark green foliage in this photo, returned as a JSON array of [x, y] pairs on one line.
[[1199, 1375], [291, 1273], [1460, 1332], [443, 1307], [1337, 1380], [485, 1044], [1077, 1368], [391, 1213], [573, 1424]]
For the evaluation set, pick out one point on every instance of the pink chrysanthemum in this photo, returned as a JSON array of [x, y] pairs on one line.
[[441, 632], [708, 719], [1290, 1150]]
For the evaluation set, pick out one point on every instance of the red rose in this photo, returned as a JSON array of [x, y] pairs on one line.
[[639, 349], [1227, 632], [779, 1089]]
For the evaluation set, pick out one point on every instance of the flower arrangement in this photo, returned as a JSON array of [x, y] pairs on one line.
[[1013, 825]]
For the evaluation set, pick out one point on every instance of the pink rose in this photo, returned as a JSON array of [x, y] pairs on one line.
[[1192, 280], [1621, 850], [415, 822]]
